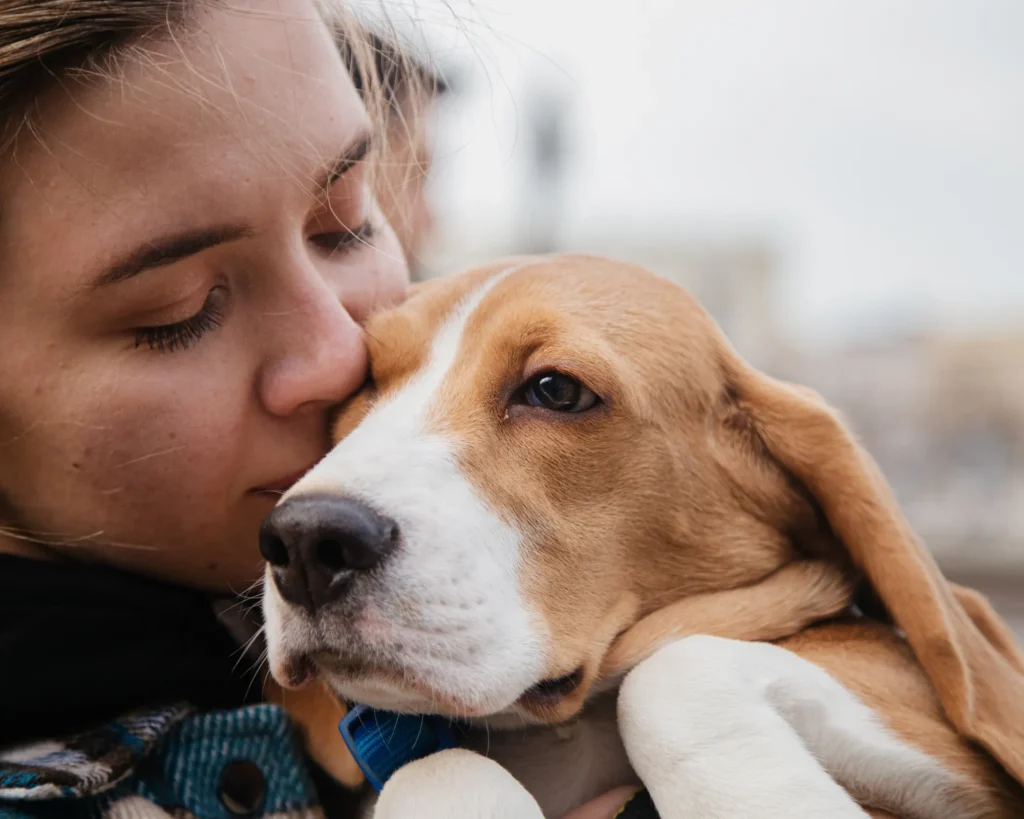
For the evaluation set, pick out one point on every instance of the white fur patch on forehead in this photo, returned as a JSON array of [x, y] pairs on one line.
[[405, 412], [448, 341], [409, 407]]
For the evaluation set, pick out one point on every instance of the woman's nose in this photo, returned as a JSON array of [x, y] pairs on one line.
[[314, 357]]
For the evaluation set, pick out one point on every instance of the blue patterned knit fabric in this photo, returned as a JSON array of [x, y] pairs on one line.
[[186, 764]]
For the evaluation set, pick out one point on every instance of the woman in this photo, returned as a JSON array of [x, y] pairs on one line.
[[187, 249]]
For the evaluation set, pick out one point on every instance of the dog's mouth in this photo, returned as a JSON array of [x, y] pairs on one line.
[[383, 671], [399, 688], [549, 693]]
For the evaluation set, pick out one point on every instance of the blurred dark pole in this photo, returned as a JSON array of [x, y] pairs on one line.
[[543, 123]]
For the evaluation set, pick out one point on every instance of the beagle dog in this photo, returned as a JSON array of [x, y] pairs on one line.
[[566, 512]]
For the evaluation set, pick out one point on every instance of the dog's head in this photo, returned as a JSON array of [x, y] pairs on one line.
[[547, 451]]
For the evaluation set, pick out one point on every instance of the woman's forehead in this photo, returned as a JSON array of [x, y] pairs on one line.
[[252, 96]]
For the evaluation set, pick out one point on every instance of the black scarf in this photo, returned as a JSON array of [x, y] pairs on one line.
[[81, 644]]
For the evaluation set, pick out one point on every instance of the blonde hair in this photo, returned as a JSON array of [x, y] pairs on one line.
[[44, 43], [397, 87]]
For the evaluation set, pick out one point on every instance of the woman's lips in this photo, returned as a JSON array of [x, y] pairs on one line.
[[282, 485]]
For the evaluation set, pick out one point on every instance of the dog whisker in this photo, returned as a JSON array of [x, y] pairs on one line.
[[250, 594], [243, 650], [255, 670]]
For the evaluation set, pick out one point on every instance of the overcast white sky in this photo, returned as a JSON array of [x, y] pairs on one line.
[[879, 142]]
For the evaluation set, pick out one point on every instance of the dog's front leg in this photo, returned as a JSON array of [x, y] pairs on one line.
[[705, 734], [455, 784]]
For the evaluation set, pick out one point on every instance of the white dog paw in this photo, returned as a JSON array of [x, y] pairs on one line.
[[455, 784], [707, 741]]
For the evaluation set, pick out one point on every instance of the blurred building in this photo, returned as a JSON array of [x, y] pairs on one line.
[[732, 279], [944, 417]]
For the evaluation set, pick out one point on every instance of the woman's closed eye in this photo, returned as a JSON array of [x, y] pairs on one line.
[[339, 241], [183, 334]]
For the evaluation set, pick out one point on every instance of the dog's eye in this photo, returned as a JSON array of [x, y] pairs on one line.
[[558, 392]]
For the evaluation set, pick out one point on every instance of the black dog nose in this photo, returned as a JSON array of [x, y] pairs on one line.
[[317, 543]]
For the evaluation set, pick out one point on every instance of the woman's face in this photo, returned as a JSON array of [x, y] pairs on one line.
[[187, 251]]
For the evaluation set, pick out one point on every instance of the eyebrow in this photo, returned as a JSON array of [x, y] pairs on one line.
[[349, 158], [170, 249], [167, 250]]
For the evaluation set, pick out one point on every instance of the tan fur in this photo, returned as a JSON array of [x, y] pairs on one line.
[[682, 502], [978, 680], [871, 661], [316, 712], [798, 595], [625, 493]]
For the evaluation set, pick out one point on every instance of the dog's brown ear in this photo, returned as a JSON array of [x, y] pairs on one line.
[[316, 711], [969, 654]]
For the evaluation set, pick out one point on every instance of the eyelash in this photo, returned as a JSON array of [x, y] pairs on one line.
[[180, 336], [341, 240]]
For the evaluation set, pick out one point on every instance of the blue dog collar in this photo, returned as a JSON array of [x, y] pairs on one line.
[[382, 741]]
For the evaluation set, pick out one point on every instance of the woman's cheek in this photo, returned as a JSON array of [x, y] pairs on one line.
[[383, 283], [153, 452], [164, 427]]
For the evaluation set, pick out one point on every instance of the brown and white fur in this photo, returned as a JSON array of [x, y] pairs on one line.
[[697, 497]]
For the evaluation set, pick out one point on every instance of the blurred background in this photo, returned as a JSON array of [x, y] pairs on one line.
[[840, 183]]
